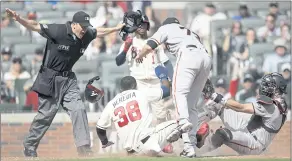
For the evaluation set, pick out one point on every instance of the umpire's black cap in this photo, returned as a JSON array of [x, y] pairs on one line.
[[82, 18], [170, 20]]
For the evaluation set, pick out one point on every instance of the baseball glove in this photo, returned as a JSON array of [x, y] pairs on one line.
[[208, 90]]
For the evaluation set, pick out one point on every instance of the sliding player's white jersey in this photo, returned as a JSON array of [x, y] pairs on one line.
[[131, 115]]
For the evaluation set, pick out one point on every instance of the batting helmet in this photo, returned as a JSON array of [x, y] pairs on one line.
[[132, 21], [170, 20], [271, 84], [91, 93], [145, 19]]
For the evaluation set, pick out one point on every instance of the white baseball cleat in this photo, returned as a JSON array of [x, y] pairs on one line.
[[188, 153]]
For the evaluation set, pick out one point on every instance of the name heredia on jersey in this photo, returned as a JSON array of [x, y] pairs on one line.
[[124, 98]]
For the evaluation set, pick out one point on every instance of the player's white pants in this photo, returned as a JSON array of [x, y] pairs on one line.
[[190, 74], [243, 142], [157, 106], [157, 140]]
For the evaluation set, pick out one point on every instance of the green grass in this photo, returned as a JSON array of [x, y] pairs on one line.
[[166, 159]]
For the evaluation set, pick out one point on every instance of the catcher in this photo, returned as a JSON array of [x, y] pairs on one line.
[[268, 117]]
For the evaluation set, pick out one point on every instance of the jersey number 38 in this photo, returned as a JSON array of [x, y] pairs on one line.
[[129, 113]]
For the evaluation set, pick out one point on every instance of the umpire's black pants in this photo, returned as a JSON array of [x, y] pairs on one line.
[[66, 94]]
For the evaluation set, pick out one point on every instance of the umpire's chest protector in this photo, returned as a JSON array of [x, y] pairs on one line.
[[61, 53]]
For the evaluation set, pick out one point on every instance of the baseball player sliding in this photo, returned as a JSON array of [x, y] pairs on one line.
[[253, 134], [192, 69], [131, 114], [143, 70]]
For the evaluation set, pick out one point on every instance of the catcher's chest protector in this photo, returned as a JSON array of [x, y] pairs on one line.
[[256, 121]]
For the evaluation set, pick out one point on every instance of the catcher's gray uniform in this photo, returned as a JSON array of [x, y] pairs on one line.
[[257, 135]]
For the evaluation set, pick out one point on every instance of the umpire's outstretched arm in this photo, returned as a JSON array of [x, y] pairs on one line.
[[29, 24], [35, 26]]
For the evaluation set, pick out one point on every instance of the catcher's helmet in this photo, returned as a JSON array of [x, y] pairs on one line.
[[91, 93], [170, 20], [271, 84]]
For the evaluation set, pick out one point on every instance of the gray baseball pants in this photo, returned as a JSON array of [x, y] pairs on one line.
[[66, 94]]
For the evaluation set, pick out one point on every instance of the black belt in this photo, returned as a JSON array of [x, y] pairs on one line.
[[143, 141], [57, 73], [191, 46], [65, 73]]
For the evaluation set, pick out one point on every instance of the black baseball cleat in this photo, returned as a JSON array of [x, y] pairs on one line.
[[84, 151], [30, 153]]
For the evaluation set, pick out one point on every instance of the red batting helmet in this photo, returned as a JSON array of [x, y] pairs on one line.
[[91, 93]]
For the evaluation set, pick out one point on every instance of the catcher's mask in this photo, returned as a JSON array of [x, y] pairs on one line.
[[132, 21], [271, 84], [93, 94]]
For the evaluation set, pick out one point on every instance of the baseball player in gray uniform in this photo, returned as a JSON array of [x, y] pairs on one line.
[[269, 115], [191, 71]]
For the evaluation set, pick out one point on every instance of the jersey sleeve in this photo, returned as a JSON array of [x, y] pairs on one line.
[[162, 57], [105, 119], [128, 56], [49, 31], [160, 36], [153, 94], [260, 110]]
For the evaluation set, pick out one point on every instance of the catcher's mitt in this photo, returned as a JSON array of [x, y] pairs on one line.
[[208, 90]]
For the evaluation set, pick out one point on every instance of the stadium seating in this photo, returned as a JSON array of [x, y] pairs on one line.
[[38, 6], [111, 72], [93, 6], [50, 14], [16, 39], [259, 51], [67, 6], [13, 6], [254, 23], [23, 49], [12, 31]]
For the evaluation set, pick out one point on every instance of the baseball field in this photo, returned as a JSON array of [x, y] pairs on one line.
[[161, 159]]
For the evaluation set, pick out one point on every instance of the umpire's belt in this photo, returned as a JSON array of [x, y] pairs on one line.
[[57, 73], [143, 141]]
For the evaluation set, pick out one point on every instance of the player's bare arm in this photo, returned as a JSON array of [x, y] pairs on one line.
[[145, 51], [232, 104], [100, 31], [29, 24], [153, 43], [104, 122]]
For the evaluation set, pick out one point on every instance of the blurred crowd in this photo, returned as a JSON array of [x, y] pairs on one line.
[[238, 79]]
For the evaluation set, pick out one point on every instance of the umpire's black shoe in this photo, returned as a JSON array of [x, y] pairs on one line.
[[84, 151], [30, 153]]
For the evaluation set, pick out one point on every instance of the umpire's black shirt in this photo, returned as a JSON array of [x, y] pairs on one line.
[[63, 47]]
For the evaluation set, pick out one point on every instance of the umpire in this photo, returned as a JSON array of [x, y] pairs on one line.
[[56, 84]]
